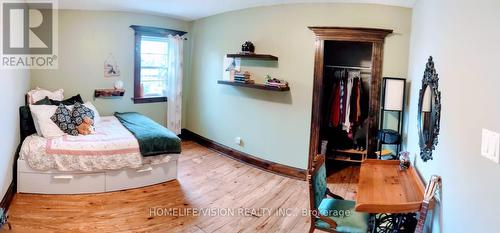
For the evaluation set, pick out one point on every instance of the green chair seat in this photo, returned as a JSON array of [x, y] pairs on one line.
[[343, 213]]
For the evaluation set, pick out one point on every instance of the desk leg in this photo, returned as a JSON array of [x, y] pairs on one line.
[[393, 223]]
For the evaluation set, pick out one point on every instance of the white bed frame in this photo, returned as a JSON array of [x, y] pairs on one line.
[[56, 182]]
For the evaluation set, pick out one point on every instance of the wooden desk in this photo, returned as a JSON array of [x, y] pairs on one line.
[[383, 188]]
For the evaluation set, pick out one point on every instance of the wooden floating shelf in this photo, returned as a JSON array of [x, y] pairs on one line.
[[253, 56], [254, 85], [99, 93]]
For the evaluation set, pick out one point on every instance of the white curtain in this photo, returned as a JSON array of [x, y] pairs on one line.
[[174, 83]]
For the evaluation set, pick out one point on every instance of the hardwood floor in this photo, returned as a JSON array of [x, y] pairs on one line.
[[206, 180]]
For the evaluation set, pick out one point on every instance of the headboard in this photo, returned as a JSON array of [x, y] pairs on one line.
[[27, 126]]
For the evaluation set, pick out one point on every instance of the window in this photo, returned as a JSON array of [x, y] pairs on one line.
[[154, 68], [151, 63]]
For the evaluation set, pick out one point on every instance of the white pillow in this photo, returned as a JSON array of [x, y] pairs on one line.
[[38, 94], [97, 116], [45, 127]]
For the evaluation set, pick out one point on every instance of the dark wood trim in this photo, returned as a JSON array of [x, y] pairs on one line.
[[9, 195], [155, 31], [146, 100], [139, 32], [254, 85], [352, 34], [269, 166], [137, 66], [253, 56]]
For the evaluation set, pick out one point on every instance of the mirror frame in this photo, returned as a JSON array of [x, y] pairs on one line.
[[430, 80]]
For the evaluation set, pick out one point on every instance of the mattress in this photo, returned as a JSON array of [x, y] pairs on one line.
[[111, 147]]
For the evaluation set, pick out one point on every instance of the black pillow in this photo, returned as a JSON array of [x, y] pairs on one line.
[[80, 112], [62, 118], [70, 101], [44, 101]]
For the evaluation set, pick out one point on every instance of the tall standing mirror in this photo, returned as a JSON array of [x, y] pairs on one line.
[[429, 111]]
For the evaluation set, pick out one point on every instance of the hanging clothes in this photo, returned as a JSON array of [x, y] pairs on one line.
[[336, 101], [352, 74], [355, 110]]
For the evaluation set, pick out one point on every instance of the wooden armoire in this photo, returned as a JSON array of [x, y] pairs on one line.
[[344, 54]]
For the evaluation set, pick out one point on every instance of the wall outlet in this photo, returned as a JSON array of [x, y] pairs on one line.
[[490, 145], [237, 141]]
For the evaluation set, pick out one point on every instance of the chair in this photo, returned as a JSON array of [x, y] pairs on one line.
[[331, 214]]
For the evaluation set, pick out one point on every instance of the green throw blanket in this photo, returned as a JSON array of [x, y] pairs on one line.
[[154, 139]]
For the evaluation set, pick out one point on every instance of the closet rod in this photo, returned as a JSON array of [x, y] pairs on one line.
[[350, 67]]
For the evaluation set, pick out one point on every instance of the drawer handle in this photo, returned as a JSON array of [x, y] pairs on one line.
[[145, 170], [63, 177]]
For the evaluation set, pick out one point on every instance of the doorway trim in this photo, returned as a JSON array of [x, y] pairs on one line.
[[350, 34]]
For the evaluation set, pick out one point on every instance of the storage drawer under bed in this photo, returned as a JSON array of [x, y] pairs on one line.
[[63, 183], [77, 182], [140, 177]]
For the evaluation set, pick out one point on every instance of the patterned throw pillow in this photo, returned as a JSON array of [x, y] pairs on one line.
[[62, 118], [80, 112]]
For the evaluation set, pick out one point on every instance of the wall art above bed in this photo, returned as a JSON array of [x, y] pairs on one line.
[[111, 68]]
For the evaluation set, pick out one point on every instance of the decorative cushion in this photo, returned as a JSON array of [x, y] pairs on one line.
[[62, 118], [79, 112], [97, 116], [44, 125], [319, 185], [343, 213], [38, 94]]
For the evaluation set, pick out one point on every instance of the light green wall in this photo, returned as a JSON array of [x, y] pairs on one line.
[[275, 126], [463, 37], [86, 38], [14, 84]]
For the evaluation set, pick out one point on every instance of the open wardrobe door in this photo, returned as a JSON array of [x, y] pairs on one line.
[[346, 94]]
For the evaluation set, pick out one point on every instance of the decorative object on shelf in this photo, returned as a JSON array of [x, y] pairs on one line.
[[118, 84], [111, 68], [429, 111], [404, 160], [393, 95], [389, 136], [274, 82], [247, 48], [230, 66], [99, 93]]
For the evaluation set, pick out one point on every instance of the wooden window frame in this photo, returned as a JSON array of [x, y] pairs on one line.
[[146, 31]]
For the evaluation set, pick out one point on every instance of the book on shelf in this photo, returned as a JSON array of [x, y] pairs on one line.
[[247, 81]]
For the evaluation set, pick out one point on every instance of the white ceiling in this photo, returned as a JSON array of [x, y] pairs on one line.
[[196, 9]]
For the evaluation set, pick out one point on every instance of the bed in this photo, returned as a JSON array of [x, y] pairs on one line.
[[111, 159]]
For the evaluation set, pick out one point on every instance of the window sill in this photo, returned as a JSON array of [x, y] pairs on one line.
[[145, 100]]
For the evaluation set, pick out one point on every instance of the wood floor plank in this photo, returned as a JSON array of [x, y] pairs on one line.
[[206, 181]]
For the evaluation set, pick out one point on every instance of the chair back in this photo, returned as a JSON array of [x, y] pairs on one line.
[[317, 181], [430, 191]]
